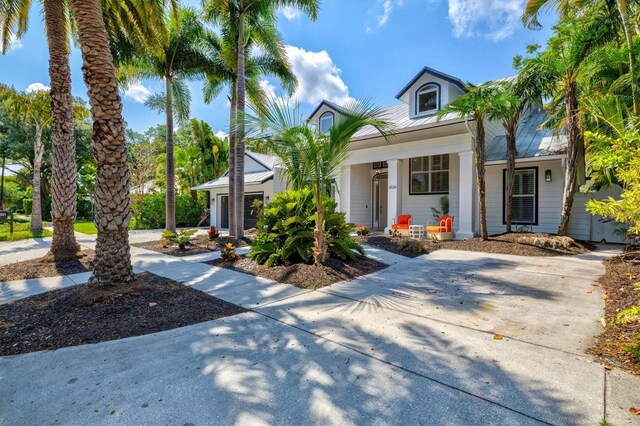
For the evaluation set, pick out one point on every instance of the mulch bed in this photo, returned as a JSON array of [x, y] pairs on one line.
[[79, 315], [303, 275], [621, 283], [47, 267], [517, 243], [199, 244]]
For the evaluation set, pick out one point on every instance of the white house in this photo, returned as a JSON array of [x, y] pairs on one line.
[[427, 159]]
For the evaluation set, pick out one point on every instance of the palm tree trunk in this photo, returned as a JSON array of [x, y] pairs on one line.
[[480, 158], [64, 168], [232, 160], [622, 8], [239, 154], [36, 203], [320, 249], [112, 264], [170, 171], [574, 138], [511, 171]]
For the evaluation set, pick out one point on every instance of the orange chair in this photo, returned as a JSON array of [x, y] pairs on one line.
[[402, 223], [444, 230]]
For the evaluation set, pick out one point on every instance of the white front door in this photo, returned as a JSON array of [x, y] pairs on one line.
[[380, 198]]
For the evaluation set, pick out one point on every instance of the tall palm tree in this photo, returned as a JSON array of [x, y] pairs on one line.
[[179, 57], [112, 265], [249, 14], [311, 158], [476, 104], [566, 7], [35, 110], [271, 60], [508, 107], [130, 23]]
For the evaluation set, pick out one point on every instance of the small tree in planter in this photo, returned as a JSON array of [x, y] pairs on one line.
[[181, 238]]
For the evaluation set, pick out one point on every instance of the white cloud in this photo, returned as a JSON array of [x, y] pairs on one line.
[[492, 19], [14, 43], [37, 87], [318, 77], [220, 134], [290, 13], [383, 16], [137, 93], [268, 89]]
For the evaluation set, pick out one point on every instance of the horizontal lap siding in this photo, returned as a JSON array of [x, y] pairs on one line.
[[360, 208], [549, 196]]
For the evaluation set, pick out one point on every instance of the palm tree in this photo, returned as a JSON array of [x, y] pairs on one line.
[[507, 107], [312, 159], [271, 60], [475, 104], [566, 7], [35, 110], [249, 14], [112, 265], [179, 57], [128, 22]]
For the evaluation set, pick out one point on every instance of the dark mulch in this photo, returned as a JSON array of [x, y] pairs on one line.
[[47, 267], [402, 246], [518, 243], [621, 283], [199, 244], [303, 275], [78, 315]]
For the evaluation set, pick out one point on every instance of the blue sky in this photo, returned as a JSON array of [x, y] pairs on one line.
[[357, 48]]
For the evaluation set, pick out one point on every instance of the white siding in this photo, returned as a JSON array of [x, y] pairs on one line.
[[279, 180], [549, 196], [419, 206], [250, 165], [214, 194], [360, 192]]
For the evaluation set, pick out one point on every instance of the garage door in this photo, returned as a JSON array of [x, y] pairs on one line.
[[250, 220]]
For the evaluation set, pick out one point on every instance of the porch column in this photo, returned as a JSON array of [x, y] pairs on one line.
[[465, 214], [343, 193], [394, 192]]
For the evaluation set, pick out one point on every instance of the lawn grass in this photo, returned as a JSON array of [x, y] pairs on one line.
[[21, 231], [85, 227]]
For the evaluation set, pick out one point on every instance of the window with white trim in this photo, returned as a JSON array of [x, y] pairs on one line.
[[429, 175], [428, 99], [326, 122], [524, 210]]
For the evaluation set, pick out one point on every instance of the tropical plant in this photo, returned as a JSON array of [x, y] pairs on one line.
[[362, 230], [262, 54], [181, 238], [507, 106], [286, 230], [34, 109], [112, 264], [228, 252], [213, 233], [180, 56], [475, 104], [312, 159]]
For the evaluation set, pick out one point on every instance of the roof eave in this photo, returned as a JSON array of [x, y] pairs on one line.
[[451, 79]]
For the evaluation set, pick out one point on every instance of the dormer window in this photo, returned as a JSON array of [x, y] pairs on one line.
[[428, 99], [326, 122]]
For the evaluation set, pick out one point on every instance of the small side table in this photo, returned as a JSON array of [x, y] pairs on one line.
[[416, 231]]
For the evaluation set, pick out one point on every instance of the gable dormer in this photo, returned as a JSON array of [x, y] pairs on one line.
[[324, 115], [429, 91]]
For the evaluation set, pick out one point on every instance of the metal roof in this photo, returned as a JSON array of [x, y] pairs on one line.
[[436, 73], [531, 140], [249, 179]]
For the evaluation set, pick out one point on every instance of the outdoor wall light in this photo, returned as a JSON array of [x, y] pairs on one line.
[[266, 199], [547, 175]]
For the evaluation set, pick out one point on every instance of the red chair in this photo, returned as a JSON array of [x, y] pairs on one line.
[[402, 223]]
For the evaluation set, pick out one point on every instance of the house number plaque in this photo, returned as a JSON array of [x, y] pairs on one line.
[[392, 187]]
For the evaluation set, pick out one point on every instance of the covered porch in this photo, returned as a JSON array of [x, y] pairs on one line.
[[376, 187]]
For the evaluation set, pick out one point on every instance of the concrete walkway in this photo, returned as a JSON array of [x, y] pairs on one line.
[[414, 343]]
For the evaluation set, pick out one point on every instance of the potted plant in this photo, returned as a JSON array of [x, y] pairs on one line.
[[362, 230]]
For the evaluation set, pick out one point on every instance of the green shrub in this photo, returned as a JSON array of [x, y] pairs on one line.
[[285, 230], [26, 205], [84, 209], [181, 238], [150, 211]]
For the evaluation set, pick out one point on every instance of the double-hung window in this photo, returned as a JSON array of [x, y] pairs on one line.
[[429, 175], [524, 210]]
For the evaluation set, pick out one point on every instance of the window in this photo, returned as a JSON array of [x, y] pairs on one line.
[[429, 175], [326, 122], [380, 165], [525, 197], [428, 99]]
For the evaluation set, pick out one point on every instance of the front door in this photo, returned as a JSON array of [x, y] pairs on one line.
[[380, 190], [250, 214]]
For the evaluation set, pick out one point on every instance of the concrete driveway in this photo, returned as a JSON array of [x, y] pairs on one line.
[[448, 338]]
